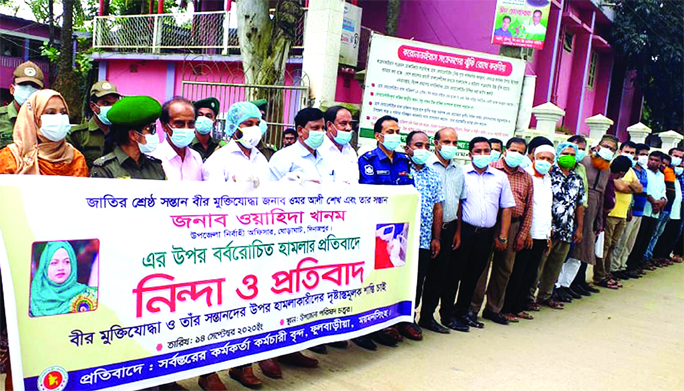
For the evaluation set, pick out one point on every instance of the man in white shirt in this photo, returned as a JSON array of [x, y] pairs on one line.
[[239, 160], [302, 162], [536, 28], [336, 147]]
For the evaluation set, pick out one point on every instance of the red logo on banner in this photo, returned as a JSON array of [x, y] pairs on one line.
[[53, 379]]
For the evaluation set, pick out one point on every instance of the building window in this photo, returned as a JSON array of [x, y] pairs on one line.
[[591, 80], [567, 41], [11, 46]]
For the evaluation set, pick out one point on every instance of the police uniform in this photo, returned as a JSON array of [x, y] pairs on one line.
[[89, 138], [214, 105], [375, 168], [25, 72]]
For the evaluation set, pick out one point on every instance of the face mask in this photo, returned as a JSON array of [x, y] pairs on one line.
[[526, 162], [605, 154], [679, 170], [542, 166], [481, 161], [420, 156], [391, 141], [566, 161], [151, 143], [448, 152], [642, 160], [495, 155], [580, 155], [630, 157], [263, 127], [23, 92], [315, 139], [103, 114], [676, 161], [54, 126], [182, 137], [513, 159], [250, 137], [204, 125], [343, 137]]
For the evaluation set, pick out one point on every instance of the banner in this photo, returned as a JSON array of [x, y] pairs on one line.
[[128, 284], [351, 35], [521, 23], [429, 87]]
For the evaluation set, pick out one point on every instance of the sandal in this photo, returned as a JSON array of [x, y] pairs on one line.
[[606, 283], [532, 306], [553, 304], [524, 315], [511, 318]]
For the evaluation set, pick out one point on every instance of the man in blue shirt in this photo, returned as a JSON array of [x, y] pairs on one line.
[[384, 165], [503, 30]]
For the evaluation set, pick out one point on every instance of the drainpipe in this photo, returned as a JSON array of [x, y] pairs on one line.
[[554, 56]]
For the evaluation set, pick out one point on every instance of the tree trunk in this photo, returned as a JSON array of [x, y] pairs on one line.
[[392, 22], [51, 24], [67, 82]]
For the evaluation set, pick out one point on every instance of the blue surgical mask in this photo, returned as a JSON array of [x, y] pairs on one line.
[[513, 159], [204, 125], [495, 155], [151, 143], [182, 137], [315, 139], [420, 156], [630, 157], [263, 127], [580, 155], [343, 137], [526, 162], [642, 160], [542, 166], [23, 92], [103, 115], [481, 161], [54, 126], [678, 171], [676, 161], [391, 141], [605, 154], [448, 151]]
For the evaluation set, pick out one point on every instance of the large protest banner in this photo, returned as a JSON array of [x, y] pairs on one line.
[[428, 87], [126, 284], [521, 23]]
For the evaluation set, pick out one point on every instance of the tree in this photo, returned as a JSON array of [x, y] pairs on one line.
[[67, 82], [392, 21], [649, 35]]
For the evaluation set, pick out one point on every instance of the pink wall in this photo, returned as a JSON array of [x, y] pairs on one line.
[[560, 94], [348, 89], [143, 77]]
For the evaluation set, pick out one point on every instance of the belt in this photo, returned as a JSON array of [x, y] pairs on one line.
[[449, 224], [476, 229]]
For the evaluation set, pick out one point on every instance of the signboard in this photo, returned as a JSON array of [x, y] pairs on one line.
[[351, 35], [521, 23], [132, 283], [429, 87]]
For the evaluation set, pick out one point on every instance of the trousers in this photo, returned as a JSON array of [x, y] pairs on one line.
[[550, 269], [625, 244]]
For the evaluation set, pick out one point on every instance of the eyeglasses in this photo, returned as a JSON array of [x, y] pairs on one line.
[[151, 128]]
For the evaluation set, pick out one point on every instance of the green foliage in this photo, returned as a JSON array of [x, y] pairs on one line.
[[649, 35], [83, 61]]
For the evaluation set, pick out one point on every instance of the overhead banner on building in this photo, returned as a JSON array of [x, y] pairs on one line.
[[127, 284], [521, 23], [429, 87], [351, 35]]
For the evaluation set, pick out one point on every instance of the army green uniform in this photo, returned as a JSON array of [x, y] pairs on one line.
[[118, 164], [89, 139], [211, 147], [8, 116]]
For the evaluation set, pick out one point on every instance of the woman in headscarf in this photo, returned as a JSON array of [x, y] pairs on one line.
[[39, 146], [54, 289]]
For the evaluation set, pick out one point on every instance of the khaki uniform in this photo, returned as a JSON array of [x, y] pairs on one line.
[[8, 116], [118, 164], [267, 151], [211, 147], [89, 139]]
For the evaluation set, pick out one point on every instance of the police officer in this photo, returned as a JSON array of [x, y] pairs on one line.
[[27, 79], [383, 165], [134, 135], [207, 111], [89, 138]]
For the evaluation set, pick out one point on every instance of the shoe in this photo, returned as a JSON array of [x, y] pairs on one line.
[[410, 330], [320, 349], [383, 338], [511, 318], [271, 368], [572, 293], [172, 387], [432, 325], [471, 320], [558, 296], [339, 344], [494, 317], [298, 360], [393, 333], [579, 289], [590, 288], [632, 274], [365, 343], [213, 383], [245, 376], [456, 324], [622, 275]]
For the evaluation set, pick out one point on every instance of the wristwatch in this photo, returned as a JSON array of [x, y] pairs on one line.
[[502, 240]]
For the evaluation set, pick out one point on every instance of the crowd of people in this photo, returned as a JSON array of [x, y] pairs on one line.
[[518, 225]]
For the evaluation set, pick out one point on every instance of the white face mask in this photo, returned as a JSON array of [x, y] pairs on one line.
[[151, 143], [54, 126], [250, 136]]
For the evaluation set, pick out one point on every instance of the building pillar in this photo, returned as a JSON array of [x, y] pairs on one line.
[[547, 116], [670, 139], [638, 132], [598, 125], [322, 48]]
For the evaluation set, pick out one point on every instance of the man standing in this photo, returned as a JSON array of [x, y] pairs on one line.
[[670, 178], [518, 234], [27, 79], [497, 148], [488, 191], [673, 228], [180, 162], [503, 30], [383, 165], [535, 28], [90, 138], [336, 147], [289, 137], [453, 185], [207, 111]]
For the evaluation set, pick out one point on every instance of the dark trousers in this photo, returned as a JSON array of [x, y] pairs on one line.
[[472, 256], [667, 239], [524, 275], [423, 266], [581, 276], [439, 274], [648, 225], [679, 246]]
